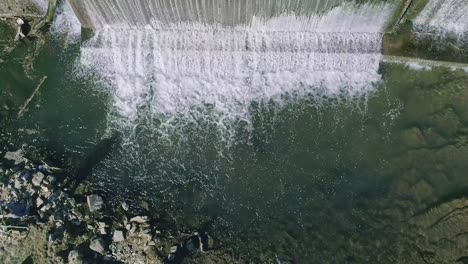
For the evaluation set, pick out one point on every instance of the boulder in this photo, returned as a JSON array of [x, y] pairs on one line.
[[37, 178], [39, 202], [118, 236], [413, 138], [97, 245], [173, 249], [17, 157], [95, 202]]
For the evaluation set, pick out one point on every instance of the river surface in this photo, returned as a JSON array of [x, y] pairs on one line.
[[305, 179]]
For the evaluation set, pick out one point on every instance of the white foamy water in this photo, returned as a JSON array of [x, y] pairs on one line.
[[444, 18], [66, 23], [178, 67]]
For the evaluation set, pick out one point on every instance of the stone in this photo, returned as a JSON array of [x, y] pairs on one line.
[[139, 219], [18, 184], [46, 208], [422, 190], [97, 245], [39, 202], [16, 156], [125, 206], [102, 228], [37, 178], [118, 236], [74, 257], [173, 249], [95, 202]]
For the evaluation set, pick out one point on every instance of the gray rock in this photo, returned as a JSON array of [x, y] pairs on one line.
[[37, 178], [139, 219], [16, 156], [95, 202], [118, 236], [97, 245]]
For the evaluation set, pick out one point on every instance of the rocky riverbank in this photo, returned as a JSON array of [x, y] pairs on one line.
[[44, 221]]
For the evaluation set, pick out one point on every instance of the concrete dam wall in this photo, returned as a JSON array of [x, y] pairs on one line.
[[131, 13]]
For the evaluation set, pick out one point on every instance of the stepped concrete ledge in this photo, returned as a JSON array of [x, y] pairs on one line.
[[423, 62]]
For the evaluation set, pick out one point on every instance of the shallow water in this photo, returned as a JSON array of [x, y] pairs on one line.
[[310, 179]]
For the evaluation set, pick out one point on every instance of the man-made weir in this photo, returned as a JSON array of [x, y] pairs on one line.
[[95, 14], [187, 54]]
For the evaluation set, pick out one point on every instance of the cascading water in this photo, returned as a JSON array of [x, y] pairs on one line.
[[66, 23], [230, 61], [442, 19], [123, 13]]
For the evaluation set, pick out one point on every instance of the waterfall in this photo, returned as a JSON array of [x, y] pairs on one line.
[[442, 19], [66, 23], [173, 64], [96, 14]]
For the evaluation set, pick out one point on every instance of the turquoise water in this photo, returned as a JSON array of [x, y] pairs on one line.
[[315, 180]]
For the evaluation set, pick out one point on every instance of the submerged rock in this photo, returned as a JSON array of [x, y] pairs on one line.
[[413, 138], [95, 202]]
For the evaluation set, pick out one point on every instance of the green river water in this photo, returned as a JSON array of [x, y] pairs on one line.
[[316, 181]]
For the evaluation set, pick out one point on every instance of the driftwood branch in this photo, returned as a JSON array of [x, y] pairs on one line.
[[25, 105]]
